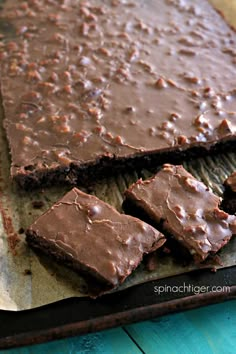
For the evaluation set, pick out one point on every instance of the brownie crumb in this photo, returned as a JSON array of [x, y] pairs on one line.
[[37, 204], [217, 259], [27, 272], [151, 263], [21, 230], [213, 269], [166, 250]]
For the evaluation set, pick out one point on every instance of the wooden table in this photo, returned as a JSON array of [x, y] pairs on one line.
[[210, 329]]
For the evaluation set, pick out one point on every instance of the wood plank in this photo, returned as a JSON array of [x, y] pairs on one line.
[[113, 341], [207, 330]]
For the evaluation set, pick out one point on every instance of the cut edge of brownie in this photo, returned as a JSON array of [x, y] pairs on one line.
[[177, 249], [229, 197], [229, 202], [97, 285], [31, 177]]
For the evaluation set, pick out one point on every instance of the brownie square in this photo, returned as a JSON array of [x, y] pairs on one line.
[[93, 238], [183, 207]]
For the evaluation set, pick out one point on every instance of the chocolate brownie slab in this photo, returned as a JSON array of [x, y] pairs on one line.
[[87, 85], [185, 208], [92, 237]]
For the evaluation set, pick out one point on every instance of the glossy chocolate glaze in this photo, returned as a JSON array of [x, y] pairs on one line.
[[185, 208], [94, 237], [84, 80]]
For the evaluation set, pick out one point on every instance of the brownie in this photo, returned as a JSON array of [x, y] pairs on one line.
[[90, 236], [91, 85], [185, 208], [229, 197]]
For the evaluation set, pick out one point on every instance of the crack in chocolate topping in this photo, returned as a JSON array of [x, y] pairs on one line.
[[189, 211], [92, 233], [114, 78]]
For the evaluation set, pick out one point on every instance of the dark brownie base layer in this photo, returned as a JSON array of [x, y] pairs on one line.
[[31, 178], [229, 197], [229, 203], [96, 284]]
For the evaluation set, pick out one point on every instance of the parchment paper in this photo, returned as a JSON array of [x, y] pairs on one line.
[[28, 280]]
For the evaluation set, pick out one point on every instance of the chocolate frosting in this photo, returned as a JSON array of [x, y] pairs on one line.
[[187, 209], [82, 80], [91, 233]]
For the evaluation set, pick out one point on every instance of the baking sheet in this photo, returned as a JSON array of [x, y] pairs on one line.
[[28, 280]]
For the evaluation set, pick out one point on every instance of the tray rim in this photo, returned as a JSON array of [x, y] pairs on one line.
[[110, 320]]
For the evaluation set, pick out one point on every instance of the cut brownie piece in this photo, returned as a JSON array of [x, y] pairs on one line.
[[87, 86], [91, 236], [229, 198], [185, 208]]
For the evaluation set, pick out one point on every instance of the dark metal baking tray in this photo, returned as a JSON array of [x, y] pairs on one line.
[[83, 315]]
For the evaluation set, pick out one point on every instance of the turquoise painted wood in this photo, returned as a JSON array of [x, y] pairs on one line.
[[208, 330], [113, 341]]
